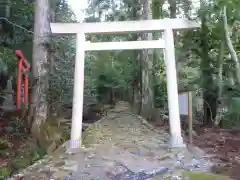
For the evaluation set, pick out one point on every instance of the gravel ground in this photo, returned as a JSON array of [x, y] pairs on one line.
[[121, 146]]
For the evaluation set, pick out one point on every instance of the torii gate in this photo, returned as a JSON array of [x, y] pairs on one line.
[[82, 29]]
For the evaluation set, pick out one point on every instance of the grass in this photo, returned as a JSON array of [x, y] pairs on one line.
[[203, 176]]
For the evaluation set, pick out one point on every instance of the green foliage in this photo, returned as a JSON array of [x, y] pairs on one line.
[[8, 60], [4, 172], [232, 117], [161, 86], [4, 145], [20, 158], [157, 8], [27, 156]]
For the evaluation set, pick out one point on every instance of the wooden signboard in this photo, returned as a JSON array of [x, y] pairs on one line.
[[185, 108]]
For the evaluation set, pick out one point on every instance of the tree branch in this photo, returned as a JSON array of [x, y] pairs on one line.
[[230, 45]]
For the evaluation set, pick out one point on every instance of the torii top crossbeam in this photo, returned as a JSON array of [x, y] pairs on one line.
[[122, 26]]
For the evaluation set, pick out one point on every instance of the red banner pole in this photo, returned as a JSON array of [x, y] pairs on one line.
[[26, 89], [19, 84]]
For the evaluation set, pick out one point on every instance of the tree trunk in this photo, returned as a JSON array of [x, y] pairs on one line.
[[41, 41], [53, 100], [173, 14], [230, 45], [172, 8], [157, 13], [220, 85], [137, 82], [147, 69], [209, 92]]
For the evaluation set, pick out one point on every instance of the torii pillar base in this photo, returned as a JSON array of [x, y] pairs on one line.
[[176, 142]]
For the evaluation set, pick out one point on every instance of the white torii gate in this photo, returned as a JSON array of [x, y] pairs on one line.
[[82, 29]]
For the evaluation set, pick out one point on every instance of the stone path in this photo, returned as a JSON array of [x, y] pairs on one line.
[[120, 145]]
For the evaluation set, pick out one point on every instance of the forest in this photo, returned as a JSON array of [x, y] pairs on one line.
[[207, 61]]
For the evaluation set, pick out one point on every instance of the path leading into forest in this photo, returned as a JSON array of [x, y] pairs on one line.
[[120, 143]]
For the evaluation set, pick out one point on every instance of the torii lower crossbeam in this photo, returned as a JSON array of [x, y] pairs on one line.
[[82, 29]]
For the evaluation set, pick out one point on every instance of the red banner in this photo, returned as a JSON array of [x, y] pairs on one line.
[[23, 69]]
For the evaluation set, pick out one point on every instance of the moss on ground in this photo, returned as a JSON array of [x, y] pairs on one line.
[[203, 176], [92, 135], [200, 176]]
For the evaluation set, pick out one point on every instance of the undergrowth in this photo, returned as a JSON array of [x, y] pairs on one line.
[[18, 149]]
